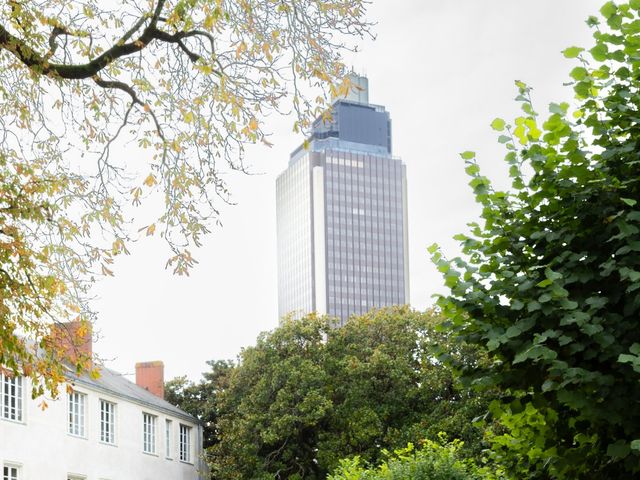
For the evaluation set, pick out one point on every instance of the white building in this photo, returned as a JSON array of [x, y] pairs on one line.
[[104, 429]]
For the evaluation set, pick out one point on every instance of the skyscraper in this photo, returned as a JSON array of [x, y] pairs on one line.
[[342, 215]]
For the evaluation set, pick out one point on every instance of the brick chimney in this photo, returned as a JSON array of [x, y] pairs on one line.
[[75, 340], [150, 376]]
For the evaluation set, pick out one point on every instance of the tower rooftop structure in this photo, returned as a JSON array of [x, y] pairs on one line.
[[355, 124]]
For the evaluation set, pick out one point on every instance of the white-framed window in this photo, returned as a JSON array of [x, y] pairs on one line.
[[185, 443], [107, 422], [149, 433], [77, 414], [11, 472], [11, 398], [168, 432]]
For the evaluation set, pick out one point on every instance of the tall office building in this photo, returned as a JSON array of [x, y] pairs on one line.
[[342, 216]]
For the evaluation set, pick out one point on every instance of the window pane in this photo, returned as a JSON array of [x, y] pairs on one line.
[[10, 473], [107, 422], [76, 414], [167, 433], [149, 433], [12, 401], [185, 443]]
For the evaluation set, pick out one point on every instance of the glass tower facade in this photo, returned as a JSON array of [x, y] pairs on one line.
[[342, 217]]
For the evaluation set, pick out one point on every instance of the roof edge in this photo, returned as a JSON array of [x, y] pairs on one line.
[[93, 386]]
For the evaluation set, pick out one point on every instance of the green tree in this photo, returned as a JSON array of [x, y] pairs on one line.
[[550, 282], [308, 395], [390, 388], [277, 396], [190, 82], [201, 399]]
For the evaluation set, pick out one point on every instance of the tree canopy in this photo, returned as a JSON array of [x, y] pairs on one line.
[[550, 281], [182, 85], [307, 395]]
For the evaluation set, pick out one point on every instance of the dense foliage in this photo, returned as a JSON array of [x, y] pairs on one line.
[[201, 399], [433, 461], [550, 282], [308, 395], [183, 85]]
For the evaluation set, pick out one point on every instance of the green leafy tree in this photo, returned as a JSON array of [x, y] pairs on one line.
[[277, 396], [308, 395], [201, 399], [390, 388], [189, 82], [550, 282]]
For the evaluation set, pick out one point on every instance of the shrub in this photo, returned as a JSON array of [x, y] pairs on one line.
[[434, 461]]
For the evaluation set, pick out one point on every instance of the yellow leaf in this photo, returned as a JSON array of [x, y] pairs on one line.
[[118, 246], [206, 69], [240, 49], [150, 181], [151, 229], [266, 48], [253, 124], [88, 12]]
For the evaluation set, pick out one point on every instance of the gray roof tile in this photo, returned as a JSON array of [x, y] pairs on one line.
[[116, 384]]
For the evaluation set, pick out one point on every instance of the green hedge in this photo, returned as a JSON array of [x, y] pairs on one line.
[[433, 461]]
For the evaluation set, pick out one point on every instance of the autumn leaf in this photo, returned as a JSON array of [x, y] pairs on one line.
[[182, 104], [106, 271], [150, 181], [188, 116], [240, 49]]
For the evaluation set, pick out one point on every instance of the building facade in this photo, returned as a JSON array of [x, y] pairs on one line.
[[342, 216], [101, 429]]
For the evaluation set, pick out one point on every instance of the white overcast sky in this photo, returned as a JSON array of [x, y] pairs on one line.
[[444, 69]]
